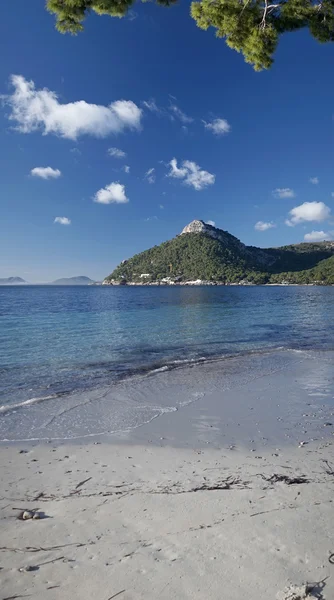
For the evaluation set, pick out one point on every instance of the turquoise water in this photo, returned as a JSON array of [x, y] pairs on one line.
[[56, 340]]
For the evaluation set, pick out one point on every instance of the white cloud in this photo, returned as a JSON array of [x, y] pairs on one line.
[[116, 153], [284, 193], [45, 172], [126, 168], [150, 175], [180, 114], [218, 126], [40, 110], [62, 220], [263, 226], [308, 211], [175, 171], [314, 180], [317, 236], [332, 194], [191, 174], [161, 206], [213, 223], [112, 193]]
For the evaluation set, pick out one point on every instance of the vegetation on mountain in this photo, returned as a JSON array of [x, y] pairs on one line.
[[193, 256], [252, 27]]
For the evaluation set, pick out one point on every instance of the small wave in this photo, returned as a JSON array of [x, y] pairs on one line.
[[9, 407], [159, 370], [159, 411], [191, 362]]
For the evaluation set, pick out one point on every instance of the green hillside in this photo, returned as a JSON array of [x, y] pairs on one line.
[[211, 254]]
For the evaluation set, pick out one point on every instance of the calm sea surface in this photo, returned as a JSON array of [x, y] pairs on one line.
[[56, 341]]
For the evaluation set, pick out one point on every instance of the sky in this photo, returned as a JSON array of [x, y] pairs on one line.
[[112, 141]]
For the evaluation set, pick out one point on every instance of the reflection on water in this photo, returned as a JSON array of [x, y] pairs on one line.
[[61, 339]]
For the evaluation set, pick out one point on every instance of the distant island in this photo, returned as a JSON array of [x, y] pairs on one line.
[[78, 280], [203, 254], [12, 281]]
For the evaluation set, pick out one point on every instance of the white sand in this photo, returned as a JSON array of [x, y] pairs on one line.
[[138, 529]]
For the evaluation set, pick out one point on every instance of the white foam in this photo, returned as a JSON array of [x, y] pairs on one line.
[[9, 407], [159, 370]]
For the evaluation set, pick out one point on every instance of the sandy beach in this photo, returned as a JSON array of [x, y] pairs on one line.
[[162, 522], [182, 507]]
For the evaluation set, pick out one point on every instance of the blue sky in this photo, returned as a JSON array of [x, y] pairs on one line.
[[240, 135]]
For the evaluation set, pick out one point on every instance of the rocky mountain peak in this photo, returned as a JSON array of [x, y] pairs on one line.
[[196, 226], [199, 226]]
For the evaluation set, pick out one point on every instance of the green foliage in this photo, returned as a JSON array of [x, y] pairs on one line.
[[298, 257], [190, 256], [252, 27], [240, 24], [321, 274], [194, 256], [70, 14]]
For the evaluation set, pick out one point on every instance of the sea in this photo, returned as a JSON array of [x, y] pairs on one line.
[[64, 350]]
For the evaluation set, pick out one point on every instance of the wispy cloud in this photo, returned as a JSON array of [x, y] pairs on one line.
[[116, 153], [150, 175], [218, 126], [126, 169], [40, 110], [308, 211], [132, 15], [161, 206], [114, 193], [264, 226], [317, 236], [62, 220], [284, 193], [191, 174], [314, 180], [213, 223], [151, 105], [45, 173], [171, 112], [179, 114]]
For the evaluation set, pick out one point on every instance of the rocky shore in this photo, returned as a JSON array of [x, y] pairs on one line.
[[200, 282]]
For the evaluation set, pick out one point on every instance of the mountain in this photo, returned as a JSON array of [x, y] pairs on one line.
[[12, 281], [203, 252], [79, 280]]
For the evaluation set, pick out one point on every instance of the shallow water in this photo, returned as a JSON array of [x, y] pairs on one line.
[[65, 346]]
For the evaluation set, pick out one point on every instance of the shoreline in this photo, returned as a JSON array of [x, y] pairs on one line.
[[207, 283], [229, 496], [219, 400]]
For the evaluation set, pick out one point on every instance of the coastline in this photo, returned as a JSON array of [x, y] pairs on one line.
[[229, 496], [200, 282], [255, 399]]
